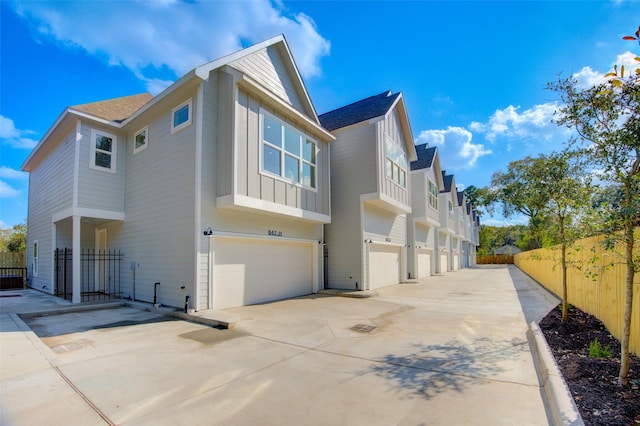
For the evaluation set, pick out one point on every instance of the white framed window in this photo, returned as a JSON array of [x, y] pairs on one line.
[[35, 259], [141, 139], [450, 210], [287, 153], [103, 151], [181, 116], [396, 163], [433, 195]]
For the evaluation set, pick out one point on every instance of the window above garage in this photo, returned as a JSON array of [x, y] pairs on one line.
[[286, 152]]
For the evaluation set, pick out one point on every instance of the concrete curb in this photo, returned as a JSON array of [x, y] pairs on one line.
[[561, 408], [356, 294]]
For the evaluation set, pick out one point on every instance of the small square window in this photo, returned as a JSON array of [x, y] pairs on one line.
[[181, 116], [141, 139]]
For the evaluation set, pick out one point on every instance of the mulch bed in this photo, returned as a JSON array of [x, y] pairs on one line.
[[593, 381]]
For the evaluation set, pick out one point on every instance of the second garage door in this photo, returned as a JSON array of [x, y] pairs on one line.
[[250, 271], [384, 269], [424, 263]]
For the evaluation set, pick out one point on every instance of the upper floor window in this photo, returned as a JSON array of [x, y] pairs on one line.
[[396, 163], [181, 116], [103, 151], [287, 152], [450, 210], [433, 195], [141, 139]]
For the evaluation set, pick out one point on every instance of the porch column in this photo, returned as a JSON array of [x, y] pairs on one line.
[[76, 296]]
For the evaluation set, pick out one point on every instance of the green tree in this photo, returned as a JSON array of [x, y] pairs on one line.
[[17, 240], [477, 197], [517, 191], [606, 118], [568, 190]]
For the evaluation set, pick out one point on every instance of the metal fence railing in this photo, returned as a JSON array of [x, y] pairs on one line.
[[100, 274]]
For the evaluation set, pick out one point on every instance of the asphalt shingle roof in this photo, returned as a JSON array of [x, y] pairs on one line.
[[365, 109], [118, 109], [426, 154], [448, 180]]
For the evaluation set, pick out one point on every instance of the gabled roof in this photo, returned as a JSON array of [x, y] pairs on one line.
[[120, 111], [448, 181], [460, 198], [426, 154], [117, 110], [357, 112]]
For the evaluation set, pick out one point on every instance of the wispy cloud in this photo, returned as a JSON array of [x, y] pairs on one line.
[[454, 145], [513, 123], [162, 40], [588, 77], [15, 138], [7, 191], [9, 173]]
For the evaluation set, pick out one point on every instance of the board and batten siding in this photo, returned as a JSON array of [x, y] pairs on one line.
[[251, 182], [158, 231], [390, 127], [267, 67], [50, 191], [98, 189]]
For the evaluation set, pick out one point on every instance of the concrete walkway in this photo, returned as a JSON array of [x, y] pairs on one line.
[[446, 350]]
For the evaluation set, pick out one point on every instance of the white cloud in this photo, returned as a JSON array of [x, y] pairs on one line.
[[587, 77], [7, 191], [511, 122], [13, 137], [154, 39], [454, 146], [9, 173]]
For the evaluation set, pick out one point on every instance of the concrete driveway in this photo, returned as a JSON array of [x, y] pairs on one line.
[[446, 350]]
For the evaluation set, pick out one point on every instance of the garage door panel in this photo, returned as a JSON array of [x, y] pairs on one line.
[[424, 263], [253, 271], [384, 266]]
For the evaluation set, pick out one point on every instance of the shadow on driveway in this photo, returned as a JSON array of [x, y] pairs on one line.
[[453, 366]]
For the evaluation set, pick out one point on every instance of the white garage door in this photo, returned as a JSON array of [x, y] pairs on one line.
[[424, 263], [444, 262], [384, 265], [255, 271]]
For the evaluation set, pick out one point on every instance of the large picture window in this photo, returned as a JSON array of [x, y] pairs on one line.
[[103, 151], [396, 163], [287, 152]]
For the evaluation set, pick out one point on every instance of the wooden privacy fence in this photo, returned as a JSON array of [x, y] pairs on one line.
[[493, 259], [14, 259], [602, 295]]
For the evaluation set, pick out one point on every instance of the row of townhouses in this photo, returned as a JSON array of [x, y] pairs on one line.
[[227, 189]]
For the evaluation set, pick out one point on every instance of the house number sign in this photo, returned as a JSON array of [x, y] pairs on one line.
[[274, 233]]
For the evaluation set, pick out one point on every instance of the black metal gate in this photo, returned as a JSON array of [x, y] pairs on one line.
[[100, 274]]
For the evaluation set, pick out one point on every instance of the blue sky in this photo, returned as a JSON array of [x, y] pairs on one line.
[[473, 74]]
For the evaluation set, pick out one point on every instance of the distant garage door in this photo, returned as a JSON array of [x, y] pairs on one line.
[[253, 271], [384, 265], [424, 263]]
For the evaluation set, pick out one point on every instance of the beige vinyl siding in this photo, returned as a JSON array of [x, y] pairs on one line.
[[353, 172], [159, 226], [267, 67], [99, 189], [251, 182], [390, 127], [50, 191], [380, 224]]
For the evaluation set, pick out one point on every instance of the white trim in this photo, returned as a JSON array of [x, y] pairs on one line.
[[112, 153], [189, 104], [86, 212], [76, 162], [198, 197], [144, 146], [35, 258], [283, 152], [253, 87], [243, 201]]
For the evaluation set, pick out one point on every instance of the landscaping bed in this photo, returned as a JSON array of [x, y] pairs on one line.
[[593, 381]]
